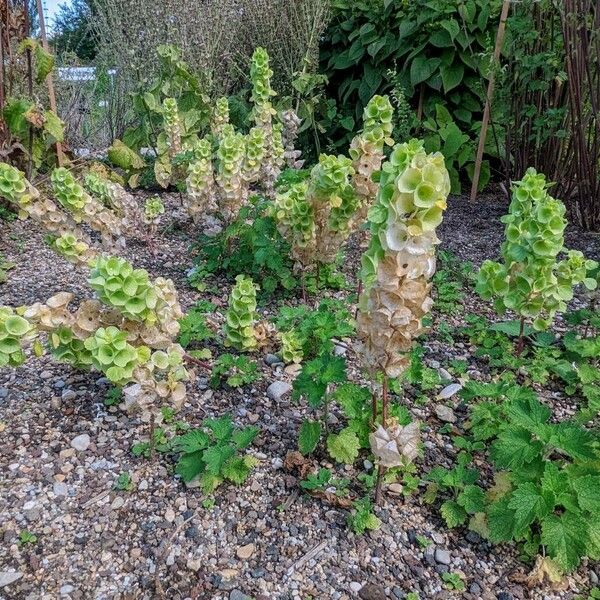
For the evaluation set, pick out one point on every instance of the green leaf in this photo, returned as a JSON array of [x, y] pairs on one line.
[[452, 76], [191, 441], [310, 433], [236, 470], [514, 448], [209, 482], [422, 68], [528, 413], [190, 465], [54, 126], [472, 499], [588, 492], [501, 521], [529, 505], [344, 446], [242, 438], [222, 427], [216, 456], [453, 513], [44, 62], [565, 538]]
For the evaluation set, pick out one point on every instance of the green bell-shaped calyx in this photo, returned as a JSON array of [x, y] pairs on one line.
[[14, 331], [241, 315]]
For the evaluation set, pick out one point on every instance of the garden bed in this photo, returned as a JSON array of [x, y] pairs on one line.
[[63, 452]]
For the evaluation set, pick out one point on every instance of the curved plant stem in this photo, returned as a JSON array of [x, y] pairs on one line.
[[384, 416]]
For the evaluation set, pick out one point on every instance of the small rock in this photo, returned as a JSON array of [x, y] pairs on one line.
[[8, 577], [370, 591], [194, 564], [66, 589], [3, 392], [445, 414], [442, 556], [60, 489], [81, 443], [169, 515], [395, 489], [444, 375], [429, 556], [245, 552], [504, 596], [475, 589], [340, 350], [117, 503], [253, 417], [238, 595], [441, 569], [31, 510], [272, 359], [68, 395], [355, 587], [438, 538], [278, 389], [46, 374], [449, 391], [293, 369]]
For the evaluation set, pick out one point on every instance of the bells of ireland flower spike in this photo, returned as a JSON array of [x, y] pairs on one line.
[[172, 125], [232, 187], [255, 153], [241, 316], [367, 152], [154, 209], [400, 262], [74, 250], [127, 289], [83, 207], [114, 356], [395, 445], [200, 183], [291, 126], [531, 281], [15, 188], [220, 117], [14, 332], [291, 347]]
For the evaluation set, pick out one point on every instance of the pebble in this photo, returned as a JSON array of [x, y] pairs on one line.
[[31, 510], [395, 489], [8, 577], [3, 392], [272, 359], [117, 503], [60, 489], [245, 552], [475, 588], [81, 443], [449, 391], [278, 389], [238, 595], [68, 395], [442, 556], [444, 375], [371, 591], [66, 589], [169, 515], [355, 587], [445, 414]]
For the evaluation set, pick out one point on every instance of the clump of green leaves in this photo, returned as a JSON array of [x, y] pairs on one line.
[[324, 480], [362, 517], [213, 453], [124, 482], [26, 537], [14, 330], [235, 371], [530, 281], [4, 267], [193, 327], [453, 581], [241, 315]]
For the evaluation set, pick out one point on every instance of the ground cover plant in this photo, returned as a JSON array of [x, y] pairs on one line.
[[231, 369]]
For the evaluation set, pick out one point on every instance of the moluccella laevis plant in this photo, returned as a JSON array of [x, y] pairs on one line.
[[115, 197], [396, 273], [169, 143], [220, 117], [367, 152], [84, 208], [263, 113], [241, 317], [397, 267], [291, 124], [15, 188], [531, 281], [315, 216], [154, 209], [15, 331], [126, 333], [233, 190], [201, 197]]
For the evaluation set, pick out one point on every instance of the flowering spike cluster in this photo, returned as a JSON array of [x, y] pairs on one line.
[[291, 125], [241, 316], [14, 331], [154, 209], [397, 267], [200, 182], [116, 198], [395, 445], [73, 249], [291, 347], [367, 152], [17, 190], [173, 127], [231, 154], [531, 281], [255, 153], [220, 117], [83, 207]]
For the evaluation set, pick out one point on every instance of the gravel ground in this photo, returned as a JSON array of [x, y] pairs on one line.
[[62, 451]]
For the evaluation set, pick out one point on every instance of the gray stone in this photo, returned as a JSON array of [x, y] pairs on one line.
[[442, 556], [475, 589], [449, 391], [3, 392], [444, 375], [66, 589], [81, 443], [31, 510], [8, 577], [371, 591], [441, 569], [429, 556], [355, 587], [272, 359], [237, 595], [445, 414], [340, 350], [68, 395], [202, 383], [59, 384], [60, 489], [278, 389]]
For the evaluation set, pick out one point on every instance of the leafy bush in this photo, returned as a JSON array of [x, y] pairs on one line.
[[212, 453], [236, 371], [193, 327]]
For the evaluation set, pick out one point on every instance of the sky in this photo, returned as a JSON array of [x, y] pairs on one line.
[[52, 6]]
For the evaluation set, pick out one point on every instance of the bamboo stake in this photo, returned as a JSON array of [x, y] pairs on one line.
[[488, 99], [49, 81]]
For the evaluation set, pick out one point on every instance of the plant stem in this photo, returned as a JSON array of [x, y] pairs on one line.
[[384, 415], [520, 340], [152, 444]]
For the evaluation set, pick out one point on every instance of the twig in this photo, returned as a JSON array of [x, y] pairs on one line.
[[313, 553], [197, 361]]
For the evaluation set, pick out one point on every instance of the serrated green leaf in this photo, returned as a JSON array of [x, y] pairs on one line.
[[209, 482], [44, 63], [344, 446], [528, 413], [222, 427], [54, 126], [588, 493], [191, 441], [501, 520], [310, 433], [453, 513], [190, 465], [515, 448], [216, 456], [242, 438], [529, 504], [236, 470], [472, 499], [565, 537]]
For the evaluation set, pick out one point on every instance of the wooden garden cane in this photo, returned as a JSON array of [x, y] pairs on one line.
[[488, 100], [49, 82]]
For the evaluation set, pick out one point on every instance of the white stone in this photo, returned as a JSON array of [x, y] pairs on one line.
[[81, 443], [278, 389], [8, 577], [449, 391]]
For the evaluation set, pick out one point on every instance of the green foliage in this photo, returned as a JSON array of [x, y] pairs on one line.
[[343, 446], [213, 453], [14, 330], [26, 537], [123, 157], [69, 246], [310, 434], [235, 371], [193, 328], [123, 482], [153, 208], [316, 376], [314, 330], [241, 315], [65, 347], [67, 190], [113, 355], [453, 581], [323, 480], [530, 281], [250, 245], [5, 266], [362, 518], [44, 61]]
